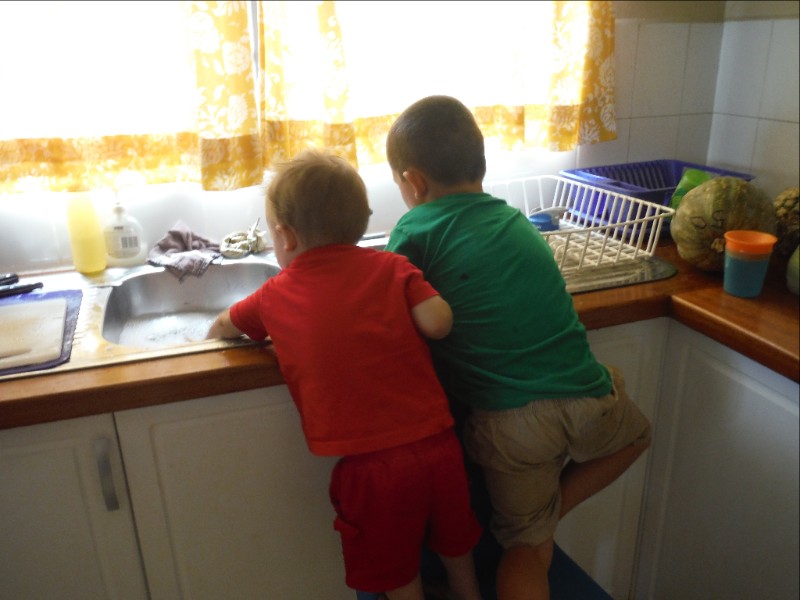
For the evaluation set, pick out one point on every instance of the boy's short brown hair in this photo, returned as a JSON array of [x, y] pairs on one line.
[[439, 136], [322, 197]]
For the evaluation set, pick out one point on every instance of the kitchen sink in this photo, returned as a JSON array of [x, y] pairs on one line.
[[146, 312], [155, 309]]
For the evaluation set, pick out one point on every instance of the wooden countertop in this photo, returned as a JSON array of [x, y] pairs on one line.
[[766, 329]]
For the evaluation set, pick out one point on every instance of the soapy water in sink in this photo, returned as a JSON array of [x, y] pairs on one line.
[[157, 330]]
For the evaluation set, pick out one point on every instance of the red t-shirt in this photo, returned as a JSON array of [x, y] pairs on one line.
[[357, 368]]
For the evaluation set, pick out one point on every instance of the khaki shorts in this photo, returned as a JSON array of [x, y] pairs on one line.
[[523, 450]]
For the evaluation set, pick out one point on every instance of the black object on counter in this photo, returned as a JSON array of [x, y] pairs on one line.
[[18, 288]]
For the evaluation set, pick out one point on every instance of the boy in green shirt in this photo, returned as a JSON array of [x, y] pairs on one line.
[[549, 425]]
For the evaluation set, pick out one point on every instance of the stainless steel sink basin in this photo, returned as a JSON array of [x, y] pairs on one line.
[[157, 310], [143, 313]]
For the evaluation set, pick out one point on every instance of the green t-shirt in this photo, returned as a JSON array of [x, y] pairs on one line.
[[516, 336]]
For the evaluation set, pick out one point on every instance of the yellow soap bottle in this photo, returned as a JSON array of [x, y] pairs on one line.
[[85, 235]]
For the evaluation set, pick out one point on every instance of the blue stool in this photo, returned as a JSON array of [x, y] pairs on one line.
[[567, 582]]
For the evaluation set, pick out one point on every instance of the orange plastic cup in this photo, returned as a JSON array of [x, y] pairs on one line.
[[746, 241], [747, 255]]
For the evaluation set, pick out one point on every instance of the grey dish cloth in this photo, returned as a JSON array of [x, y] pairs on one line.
[[184, 252]]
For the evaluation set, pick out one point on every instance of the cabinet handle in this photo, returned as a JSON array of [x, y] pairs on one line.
[[102, 454]]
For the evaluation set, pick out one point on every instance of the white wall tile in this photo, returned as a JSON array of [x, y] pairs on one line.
[[28, 239], [732, 142], [384, 198], [702, 60], [693, 134], [742, 67], [158, 208], [625, 41], [231, 211], [660, 65], [212, 215], [776, 158], [653, 138], [533, 161], [779, 99], [34, 232]]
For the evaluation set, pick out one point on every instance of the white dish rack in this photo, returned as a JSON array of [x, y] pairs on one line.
[[596, 227]]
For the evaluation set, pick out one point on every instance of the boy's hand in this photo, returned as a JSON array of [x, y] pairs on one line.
[[223, 327]]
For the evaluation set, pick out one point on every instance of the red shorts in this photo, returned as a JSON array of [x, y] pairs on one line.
[[391, 502]]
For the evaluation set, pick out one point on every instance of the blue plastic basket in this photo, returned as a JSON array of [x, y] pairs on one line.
[[653, 181]]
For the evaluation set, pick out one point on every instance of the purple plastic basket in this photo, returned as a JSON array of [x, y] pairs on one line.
[[654, 181]]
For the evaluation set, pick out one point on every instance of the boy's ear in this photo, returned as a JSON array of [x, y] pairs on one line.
[[288, 237], [418, 182]]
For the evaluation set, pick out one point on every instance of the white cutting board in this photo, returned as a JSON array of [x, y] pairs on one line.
[[31, 332]]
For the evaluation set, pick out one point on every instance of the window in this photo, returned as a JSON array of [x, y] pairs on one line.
[[113, 92], [72, 69]]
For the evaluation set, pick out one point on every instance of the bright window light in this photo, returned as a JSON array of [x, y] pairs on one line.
[[73, 69], [484, 53]]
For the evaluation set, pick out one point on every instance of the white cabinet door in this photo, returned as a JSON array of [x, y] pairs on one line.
[[601, 534], [229, 503], [721, 519], [66, 529]]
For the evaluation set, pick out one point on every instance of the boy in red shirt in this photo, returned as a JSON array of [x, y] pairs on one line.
[[348, 325]]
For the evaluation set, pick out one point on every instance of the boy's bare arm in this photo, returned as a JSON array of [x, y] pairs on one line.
[[223, 327], [433, 317]]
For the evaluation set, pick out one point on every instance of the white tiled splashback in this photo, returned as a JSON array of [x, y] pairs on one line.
[[33, 227], [757, 102], [721, 94]]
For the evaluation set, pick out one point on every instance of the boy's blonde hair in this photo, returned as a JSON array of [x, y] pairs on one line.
[[322, 197]]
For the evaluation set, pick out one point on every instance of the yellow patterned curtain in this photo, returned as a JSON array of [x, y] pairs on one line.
[[221, 147], [227, 124], [569, 101], [311, 93], [581, 101], [87, 163], [575, 102], [302, 91]]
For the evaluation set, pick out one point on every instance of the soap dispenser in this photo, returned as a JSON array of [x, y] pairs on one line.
[[125, 244]]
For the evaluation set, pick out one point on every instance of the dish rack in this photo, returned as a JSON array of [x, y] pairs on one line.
[[596, 227]]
